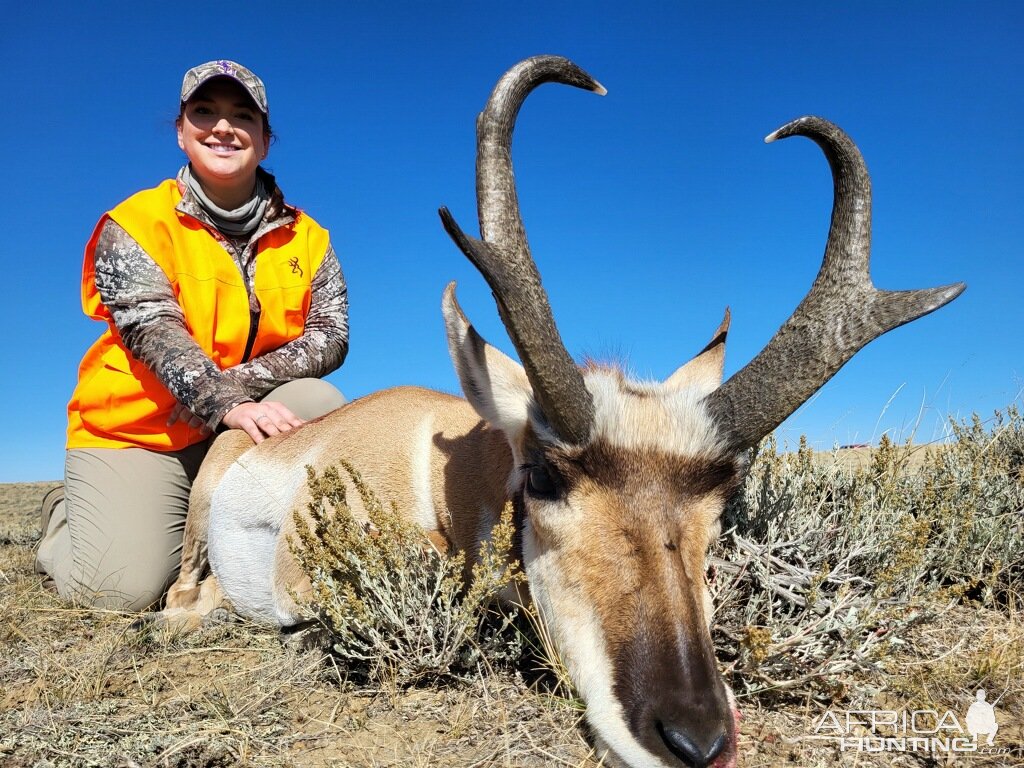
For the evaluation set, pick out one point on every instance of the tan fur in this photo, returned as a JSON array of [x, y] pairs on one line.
[[469, 464], [653, 529], [193, 605], [615, 558], [191, 598]]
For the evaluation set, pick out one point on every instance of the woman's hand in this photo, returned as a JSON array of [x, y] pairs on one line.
[[261, 420], [183, 414]]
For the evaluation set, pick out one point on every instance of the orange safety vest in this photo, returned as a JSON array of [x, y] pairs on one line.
[[119, 402]]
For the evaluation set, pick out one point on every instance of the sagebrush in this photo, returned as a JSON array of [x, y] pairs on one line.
[[824, 618], [395, 607], [826, 565], [823, 568]]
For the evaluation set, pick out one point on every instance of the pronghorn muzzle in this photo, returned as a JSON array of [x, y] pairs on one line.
[[676, 703]]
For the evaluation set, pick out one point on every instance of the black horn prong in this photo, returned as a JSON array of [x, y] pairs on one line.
[[470, 246], [503, 254], [840, 315]]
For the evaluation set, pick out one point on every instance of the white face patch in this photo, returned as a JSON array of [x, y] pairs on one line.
[[638, 415], [576, 633], [635, 417]]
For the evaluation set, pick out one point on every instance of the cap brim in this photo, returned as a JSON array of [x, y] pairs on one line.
[[186, 95]]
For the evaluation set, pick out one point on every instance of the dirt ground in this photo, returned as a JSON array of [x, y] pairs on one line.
[[80, 688]]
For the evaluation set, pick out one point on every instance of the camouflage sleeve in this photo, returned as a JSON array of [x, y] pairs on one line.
[[152, 325], [320, 349]]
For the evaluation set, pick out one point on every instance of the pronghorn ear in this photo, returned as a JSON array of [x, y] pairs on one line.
[[495, 384], [704, 372]]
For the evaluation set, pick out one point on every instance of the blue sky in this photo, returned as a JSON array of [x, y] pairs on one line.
[[648, 210]]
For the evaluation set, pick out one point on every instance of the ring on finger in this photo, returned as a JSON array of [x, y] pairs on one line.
[[262, 416]]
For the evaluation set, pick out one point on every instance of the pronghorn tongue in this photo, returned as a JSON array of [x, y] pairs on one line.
[[728, 758]]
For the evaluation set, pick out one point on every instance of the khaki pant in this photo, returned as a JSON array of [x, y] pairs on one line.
[[114, 540]]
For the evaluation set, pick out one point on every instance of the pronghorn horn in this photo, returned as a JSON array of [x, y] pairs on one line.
[[503, 256], [842, 312]]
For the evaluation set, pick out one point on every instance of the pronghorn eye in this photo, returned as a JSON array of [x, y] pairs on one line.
[[539, 482]]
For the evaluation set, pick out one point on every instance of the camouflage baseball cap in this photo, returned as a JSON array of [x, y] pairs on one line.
[[196, 76]]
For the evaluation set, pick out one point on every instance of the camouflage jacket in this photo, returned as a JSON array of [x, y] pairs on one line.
[[152, 325]]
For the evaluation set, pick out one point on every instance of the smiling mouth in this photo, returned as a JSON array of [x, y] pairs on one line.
[[222, 149]]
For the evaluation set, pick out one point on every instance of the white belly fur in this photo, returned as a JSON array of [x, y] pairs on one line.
[[247, 510]]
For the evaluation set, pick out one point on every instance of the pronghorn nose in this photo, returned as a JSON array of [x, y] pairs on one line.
[[686, 748]]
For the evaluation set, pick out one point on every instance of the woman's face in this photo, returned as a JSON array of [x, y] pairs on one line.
[[221, 131]]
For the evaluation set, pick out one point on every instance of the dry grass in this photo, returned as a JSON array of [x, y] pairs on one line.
[[78, 688], [836, 622]]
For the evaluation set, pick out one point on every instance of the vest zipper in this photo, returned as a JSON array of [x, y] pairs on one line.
[[254, 314], [254, 317], [254, 325]]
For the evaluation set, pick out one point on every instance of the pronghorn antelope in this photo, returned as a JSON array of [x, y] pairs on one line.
[[617, 485]]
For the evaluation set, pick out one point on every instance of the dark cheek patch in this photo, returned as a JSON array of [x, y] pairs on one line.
[[637, 559]]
